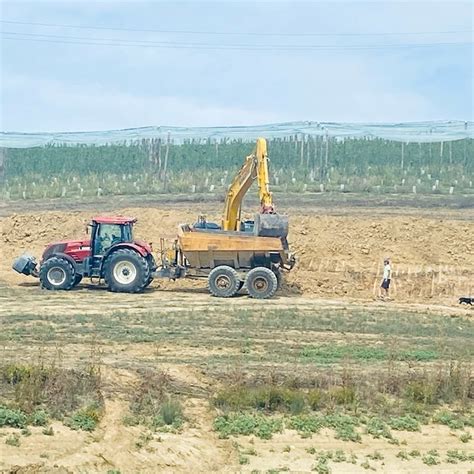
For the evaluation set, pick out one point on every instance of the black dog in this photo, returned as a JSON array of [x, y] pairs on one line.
[[466, 300]]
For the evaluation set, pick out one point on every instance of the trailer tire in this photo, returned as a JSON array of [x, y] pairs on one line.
[[223, 282], [126, 271], [57, 274], [261, 283], [278, 275]]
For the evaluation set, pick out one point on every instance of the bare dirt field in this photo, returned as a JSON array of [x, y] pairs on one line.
[[325, 331]]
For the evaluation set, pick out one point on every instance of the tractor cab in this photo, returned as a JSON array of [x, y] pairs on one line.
[[109, 231]]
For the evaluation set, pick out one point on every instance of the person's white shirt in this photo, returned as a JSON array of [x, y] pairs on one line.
[[387, 270]]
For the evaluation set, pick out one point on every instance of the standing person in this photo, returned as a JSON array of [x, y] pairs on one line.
[[387, 275]]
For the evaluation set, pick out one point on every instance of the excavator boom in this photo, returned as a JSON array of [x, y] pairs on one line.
[[254, 168]]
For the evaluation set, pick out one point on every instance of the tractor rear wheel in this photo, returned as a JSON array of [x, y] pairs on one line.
[[223, 282], [77, 279], [126, 271], [148, 283], [261, 283], [57, 274]]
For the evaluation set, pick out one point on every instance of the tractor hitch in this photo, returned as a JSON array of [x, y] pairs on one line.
[[26, 265]]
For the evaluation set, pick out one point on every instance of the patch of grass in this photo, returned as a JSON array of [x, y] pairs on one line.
[[344, 426], [171, 412], [85, 419], [143, 440], [420, 391], [465, 437], [267, 397], [12, 418], [330, 354], [38, 418], [403, 455], [250, 452], [448, 418], [366, 465], [453, 456], [378, 428], [339, 456], [13, 440], [306, 423], [430, 460], [342, 395], [245, 424], [321, 467], [376, 456], [150, 394], [48, 431], [404, 423], [316, 398], [39, 390]]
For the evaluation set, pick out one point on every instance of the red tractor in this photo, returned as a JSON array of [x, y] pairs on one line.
[[126, 265]]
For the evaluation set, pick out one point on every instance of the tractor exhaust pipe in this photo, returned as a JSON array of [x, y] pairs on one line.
[[26, 265]]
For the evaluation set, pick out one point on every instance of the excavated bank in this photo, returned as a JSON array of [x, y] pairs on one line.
[[338, 256]]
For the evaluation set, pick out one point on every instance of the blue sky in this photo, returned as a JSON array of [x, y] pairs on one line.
[[57, 86]]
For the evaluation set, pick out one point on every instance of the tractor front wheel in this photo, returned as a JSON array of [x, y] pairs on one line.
[[261, 283], [126, 271], [57, 274]]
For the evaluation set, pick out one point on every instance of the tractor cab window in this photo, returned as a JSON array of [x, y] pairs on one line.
[[110, 234]]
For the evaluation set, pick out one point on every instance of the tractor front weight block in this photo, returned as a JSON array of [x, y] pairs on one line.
[[26, 265]]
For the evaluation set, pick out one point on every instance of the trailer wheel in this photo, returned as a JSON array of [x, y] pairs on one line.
[[278, 275], [57, 274], [126, 271], [261, 283], [223, 282]]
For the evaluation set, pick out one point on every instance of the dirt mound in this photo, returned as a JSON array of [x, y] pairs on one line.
[[337, 255]]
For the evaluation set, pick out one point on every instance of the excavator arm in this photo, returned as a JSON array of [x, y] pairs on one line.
[[254, 168]]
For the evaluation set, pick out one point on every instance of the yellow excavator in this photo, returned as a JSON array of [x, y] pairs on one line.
[[254, 168], [237, 254]]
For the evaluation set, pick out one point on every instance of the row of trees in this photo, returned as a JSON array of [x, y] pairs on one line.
[[302, 163], [304, 154]]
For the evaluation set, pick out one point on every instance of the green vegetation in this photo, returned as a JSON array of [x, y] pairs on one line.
[[13, 440], [404, 423], [13, 418], [330, 354], [154, 405], [247, 424], [297, 165], [85, 419], [454, 420]]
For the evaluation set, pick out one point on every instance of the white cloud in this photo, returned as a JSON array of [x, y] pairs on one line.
[[68, 107]]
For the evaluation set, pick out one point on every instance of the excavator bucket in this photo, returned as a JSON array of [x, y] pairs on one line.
[[271, 225]]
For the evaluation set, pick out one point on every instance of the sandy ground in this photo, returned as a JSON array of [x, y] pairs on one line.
[[340, 253]]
